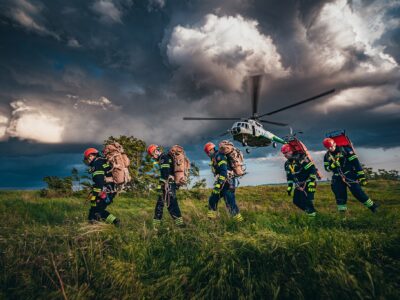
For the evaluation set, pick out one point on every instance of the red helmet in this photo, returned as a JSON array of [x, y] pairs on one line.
[[328, 142], [286, 148], [151, 149], [208, 147], [90, 151]]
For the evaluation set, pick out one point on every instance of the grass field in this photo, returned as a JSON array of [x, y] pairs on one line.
[[48, 251]]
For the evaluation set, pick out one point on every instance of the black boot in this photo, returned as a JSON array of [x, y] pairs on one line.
[[117, 222], [374, 207]]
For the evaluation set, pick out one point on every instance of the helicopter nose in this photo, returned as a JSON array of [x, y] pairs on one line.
[[236, 130]]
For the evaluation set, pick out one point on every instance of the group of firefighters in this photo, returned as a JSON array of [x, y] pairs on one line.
[[300, 170]]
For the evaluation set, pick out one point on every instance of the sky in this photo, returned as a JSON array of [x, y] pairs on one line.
[[73, 73]]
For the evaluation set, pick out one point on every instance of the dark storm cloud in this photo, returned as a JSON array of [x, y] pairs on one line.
[[90, 69]]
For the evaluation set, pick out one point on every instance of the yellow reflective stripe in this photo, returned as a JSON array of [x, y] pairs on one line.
[[106, 165], [313, 176], [222, 162], [93, 203], [110, 219], [326, 163], [368, 203], [238, 218], [96, 190], [291, 167], [308, 165], [352, 157], [179, 221], [360, 172], [165, 166], [98, 173], [222, 177], [211, 214]]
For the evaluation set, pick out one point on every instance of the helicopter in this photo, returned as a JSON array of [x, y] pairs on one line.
[[249, 131]]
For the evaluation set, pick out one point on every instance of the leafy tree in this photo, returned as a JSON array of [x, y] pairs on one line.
[[195, 173], [141, 167], [75, 177], [62, 186], [381, 174], [201, 184]]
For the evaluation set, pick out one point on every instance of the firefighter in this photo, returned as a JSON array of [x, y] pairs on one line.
[[347, 173], [167, 188], [301, 175], [103, 190], [224, 185]]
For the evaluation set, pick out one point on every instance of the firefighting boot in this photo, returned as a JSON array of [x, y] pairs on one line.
[[179, 222], [156, 224], [238, 218], [311, 215], [111, 219], [342, 208], [371, 205], [212, 214]]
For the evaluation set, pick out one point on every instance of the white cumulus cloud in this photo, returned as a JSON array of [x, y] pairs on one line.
[[32, 123], [3, 126], [343, 30], [222, 51]]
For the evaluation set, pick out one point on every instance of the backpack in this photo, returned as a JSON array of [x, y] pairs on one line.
[[119, 161], [235, 157], [181, 165]]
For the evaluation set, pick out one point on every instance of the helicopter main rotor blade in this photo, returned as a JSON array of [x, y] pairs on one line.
[[272, 122], [201, 118], [299, 103], [255, 80]]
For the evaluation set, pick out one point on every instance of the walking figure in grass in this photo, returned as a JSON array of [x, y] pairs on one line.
[[301, 177], [103, 188], [224, 185], [167, 187], [342, 161]]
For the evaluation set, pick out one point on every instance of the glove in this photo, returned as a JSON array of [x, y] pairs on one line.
[[289, 190], [361, 178], [311, 187], [363, 181], [102, 195]]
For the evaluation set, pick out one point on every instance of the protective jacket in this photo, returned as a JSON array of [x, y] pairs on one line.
[[166, 167], [300, 170], [220, 167], [342, 162], [100, 169]]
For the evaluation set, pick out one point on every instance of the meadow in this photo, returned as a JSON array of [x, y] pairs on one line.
[[49, 251]]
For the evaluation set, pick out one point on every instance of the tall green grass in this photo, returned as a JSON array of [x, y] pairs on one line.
[[48, 251]]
